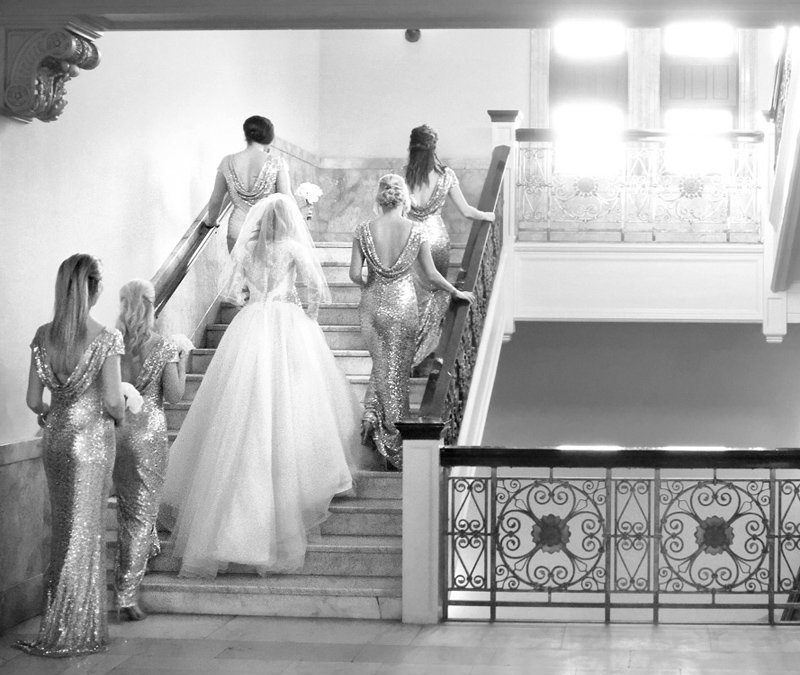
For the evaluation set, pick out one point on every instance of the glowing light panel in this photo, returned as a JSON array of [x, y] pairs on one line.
[[699, 39], [588, 139], [589, 39]]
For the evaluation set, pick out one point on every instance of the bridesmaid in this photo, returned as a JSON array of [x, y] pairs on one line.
[[77, 359], [430, 183], [153, 365], [390, 245], [248, 176]]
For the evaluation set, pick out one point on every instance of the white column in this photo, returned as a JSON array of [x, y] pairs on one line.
[[504, 129], [421, 564]]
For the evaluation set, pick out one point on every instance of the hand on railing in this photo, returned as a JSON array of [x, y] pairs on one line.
[[488, 216], [464, 296]]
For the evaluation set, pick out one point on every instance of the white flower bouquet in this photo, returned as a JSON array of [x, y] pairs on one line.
[[183, 343], [133, 399], [309, 192]]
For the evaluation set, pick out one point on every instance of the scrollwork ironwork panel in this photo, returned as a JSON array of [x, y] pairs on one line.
[[651, 199], [639, 540]]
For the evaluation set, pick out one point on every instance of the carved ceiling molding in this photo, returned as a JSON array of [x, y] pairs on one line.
[[38, 65]]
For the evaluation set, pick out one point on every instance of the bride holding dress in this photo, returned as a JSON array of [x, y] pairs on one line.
[[265, 444]]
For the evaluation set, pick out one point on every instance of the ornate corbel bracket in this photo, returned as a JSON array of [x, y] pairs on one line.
[[38, 64]]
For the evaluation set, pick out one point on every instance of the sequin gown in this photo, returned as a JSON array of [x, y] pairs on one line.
[[242, 196], [432, 303], [78, 459], [139, 472], [389, 323], [266, 442]]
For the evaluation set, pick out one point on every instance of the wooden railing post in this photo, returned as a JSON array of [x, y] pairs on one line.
[[422, 601], [504, 132]]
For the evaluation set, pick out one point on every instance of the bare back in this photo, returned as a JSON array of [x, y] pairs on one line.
[[248, 165], [421, 194], [390, 234], [93, 329]]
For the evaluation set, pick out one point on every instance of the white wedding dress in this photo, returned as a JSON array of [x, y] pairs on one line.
[[265, 444]]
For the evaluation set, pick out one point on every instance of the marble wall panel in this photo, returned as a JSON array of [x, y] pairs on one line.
[[24, 531]]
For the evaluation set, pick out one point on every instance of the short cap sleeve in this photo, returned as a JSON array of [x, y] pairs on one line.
[[116, 346], [171, 351], [38, 337], [452, 179]]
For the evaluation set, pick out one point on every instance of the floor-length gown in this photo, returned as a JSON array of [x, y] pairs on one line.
[[264, 446], [78, 459], [243, 196], [432, 303], [139, 472], [389, 323]]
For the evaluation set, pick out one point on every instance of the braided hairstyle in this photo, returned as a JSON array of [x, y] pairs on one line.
[[392, 192], [422, 157]]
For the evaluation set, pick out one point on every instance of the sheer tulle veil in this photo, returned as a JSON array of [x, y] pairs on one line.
[[272, 221]]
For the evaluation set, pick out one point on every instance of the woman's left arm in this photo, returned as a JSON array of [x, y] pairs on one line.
[[35, 396], [284, 183], [465, 209], [356, 264]]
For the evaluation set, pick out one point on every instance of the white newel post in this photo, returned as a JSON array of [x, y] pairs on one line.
[[421, 564], [504, 132]]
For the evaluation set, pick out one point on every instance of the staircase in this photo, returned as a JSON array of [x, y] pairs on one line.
[[353, 566]]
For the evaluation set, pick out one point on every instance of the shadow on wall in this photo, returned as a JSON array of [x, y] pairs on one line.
[[646, 385]]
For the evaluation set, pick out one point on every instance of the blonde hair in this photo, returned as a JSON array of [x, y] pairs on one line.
[[136, 314], [392, 192], [77, 286]]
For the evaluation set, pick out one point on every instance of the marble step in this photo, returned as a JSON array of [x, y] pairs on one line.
[[341, 291], [334, 314], [352, 362], [359, 382], [337, 337], [336, 272], [373, 517], [328, 556], [339, 252], [352, 597]]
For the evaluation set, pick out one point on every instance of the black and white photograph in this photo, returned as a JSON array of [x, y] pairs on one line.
[[399, 338]]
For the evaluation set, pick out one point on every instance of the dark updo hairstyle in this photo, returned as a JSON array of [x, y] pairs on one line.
[[422, 158], [258, 129]]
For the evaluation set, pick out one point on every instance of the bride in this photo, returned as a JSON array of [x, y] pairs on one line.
[[267, 440]]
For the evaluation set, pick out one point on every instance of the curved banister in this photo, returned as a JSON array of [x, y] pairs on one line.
[[439, 411], [172, 272]]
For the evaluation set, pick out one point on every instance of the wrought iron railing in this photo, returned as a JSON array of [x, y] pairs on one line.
[[637, 534], [642, 197], [445, 397]]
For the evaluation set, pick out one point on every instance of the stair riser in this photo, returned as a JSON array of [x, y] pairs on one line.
[[349, 293], [328, 316], [374, 487], [375, 524], [321, 563], [336, 339], [350, 365], [247, 604], [339, 274]]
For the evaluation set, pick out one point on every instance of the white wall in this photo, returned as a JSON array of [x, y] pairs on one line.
[[376, 87], [645, 384], [130, 164]]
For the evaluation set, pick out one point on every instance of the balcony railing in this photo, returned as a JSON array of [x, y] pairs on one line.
[[648, 192], [672, 535]]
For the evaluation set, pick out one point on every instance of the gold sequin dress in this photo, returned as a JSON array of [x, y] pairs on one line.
[[244, 196], [389, 323], [78, 460], [139, 472], [432, 303]]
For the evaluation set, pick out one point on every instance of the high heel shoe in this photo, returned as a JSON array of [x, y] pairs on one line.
[[132, 613]]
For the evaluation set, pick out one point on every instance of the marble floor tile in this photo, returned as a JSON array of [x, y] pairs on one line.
[[330, 668], [175, 626], [682, 638], [281, 629], [155, 665], [427, 655], [421, 669], [567, 660], [205, 649], [291, 651]]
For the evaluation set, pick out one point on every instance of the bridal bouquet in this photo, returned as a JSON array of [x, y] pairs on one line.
[[183, 343], [310, 193], [133, 399]]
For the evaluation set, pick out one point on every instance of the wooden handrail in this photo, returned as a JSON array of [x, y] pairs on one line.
[[433, 407], [624, 458], [548, 135], [172, 272]]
